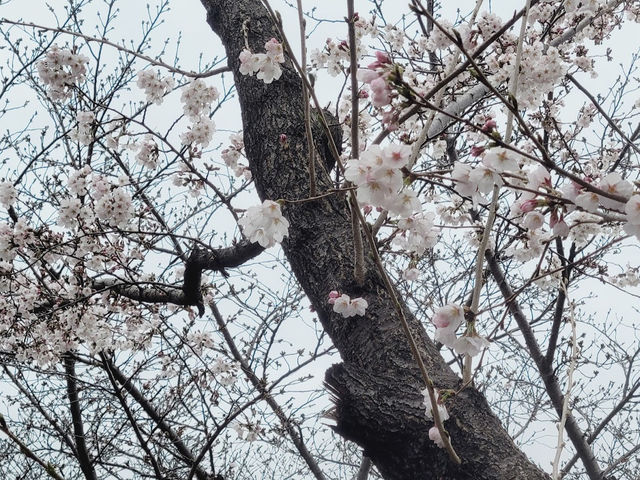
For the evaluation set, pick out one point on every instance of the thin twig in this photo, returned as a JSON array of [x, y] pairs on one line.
[[48, 467], [307, 109], [261, 386], [567, 396], [104, 41]]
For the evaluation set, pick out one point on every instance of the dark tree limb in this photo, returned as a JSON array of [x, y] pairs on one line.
[[134, 424], [377, 388], [27, 452], [190, 293], [545, 369], [86, 465]]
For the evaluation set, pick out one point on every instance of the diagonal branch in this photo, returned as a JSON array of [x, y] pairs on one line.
[[24, 449], [76, 416], [185, 453], [546, 372], [260, 385]]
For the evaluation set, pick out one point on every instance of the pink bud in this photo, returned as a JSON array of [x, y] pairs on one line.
[[489, 126], [367, 209], [476, 151], [333, 295], [528, 205], [382, 57]]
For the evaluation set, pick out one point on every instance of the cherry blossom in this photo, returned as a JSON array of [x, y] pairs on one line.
[[418, 233], [8, 194], [376, 75], [200, 132], [155, 88], [265, 66], [435, 437], [411, 274], [114, 207], [442, 409], [265, 224], [533, 220], [501, 160], [347, 307], [380, 182], [197, 98], [588, 201], [83, 133], [148, 152], [614, 184], [60, 70], [470, 345], [447, 319]]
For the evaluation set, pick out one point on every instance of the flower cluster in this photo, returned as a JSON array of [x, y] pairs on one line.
[[200, 132], [480, 180], [147, 152], [418, 233], [78, 181], [7, 194], [60, 70], [265, 224], [586, 199], [378, 176], [335, 54], [544, 67], [232, 153], [83, 133], [438, 40], [197, 99], [265, 65], [69, 212], [345, 306], [377, 76], [154, 87], [447, 319], [115, 208], [8, 249]]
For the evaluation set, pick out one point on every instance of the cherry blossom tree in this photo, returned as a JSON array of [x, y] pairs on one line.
[[440, 243]]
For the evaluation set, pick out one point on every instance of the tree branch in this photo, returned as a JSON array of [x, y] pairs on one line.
[[76, 416], [190, 293], [49, 468], [260, 385], [546, 372], [185, 453]]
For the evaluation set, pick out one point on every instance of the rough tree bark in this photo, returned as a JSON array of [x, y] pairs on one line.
[[378, 387]]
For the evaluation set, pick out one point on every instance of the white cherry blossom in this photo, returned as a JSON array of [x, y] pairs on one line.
[[265, 224]]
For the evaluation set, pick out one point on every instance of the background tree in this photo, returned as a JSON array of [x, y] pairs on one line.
[[146, 331]]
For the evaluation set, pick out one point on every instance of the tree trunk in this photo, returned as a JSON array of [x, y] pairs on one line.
[[378, 387]]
